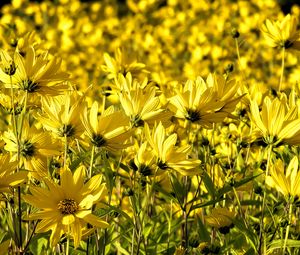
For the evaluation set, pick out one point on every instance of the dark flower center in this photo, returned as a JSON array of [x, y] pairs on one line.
[[287, 44], [98, 140], [67, 130], [193, 115], [10, 69], [145, 170], [67, 206], [27, 149], [162, 165], [29, 85], [137, 121]]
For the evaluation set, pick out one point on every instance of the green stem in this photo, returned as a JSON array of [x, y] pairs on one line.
[[282, 68], [261, 233], [68, 243], [66, 150], [91, 162], [240, 206], [288, 228]]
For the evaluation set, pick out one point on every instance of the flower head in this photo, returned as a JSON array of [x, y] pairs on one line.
[[207, 102], [35, 146], [34, 74], [8, 176], [282, 34], [286, 182], [168, 155], [277, 120], [67, 207], [109, 130]]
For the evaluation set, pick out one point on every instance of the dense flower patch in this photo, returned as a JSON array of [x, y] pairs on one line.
[[149, 127]]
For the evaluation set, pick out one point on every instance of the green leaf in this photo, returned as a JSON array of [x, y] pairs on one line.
[[178, 189], [251, 237], [211, 202], [120, 249], [209, 184], [227, 188], [202, 231], [276, 244]]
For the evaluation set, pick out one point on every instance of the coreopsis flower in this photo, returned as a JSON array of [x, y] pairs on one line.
[[205, 103], [169, 156], [143, 106], [144, 160], [282, 34], [66, 208], [61, 115], [8, 65], [221, 218], [8, 175], [35, 74], [109, 130], [122, 63], [35, 146], [286, 181], [277, 121]]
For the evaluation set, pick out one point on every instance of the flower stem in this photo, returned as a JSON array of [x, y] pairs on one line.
[[66, 150], [282, 68], [287, 228], [261, 232], [91, 162]]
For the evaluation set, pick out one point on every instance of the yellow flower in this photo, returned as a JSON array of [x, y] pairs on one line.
[[144, 161], [286, 182], [35, 74], [122, 63], [35, 146], [62, 115], [143, 106], [282, 34], [66, 208], [167, 154], [277, 121], [8, 176], [206, 103], [220, 218], [109, 130]]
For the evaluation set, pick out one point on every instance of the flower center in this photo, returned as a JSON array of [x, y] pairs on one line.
[[29, 85], [67, 129], [137, 121], [162, 165], [287, 44], [10, 69], [98, 140], [67, 206], [27, 149], [192, 115]]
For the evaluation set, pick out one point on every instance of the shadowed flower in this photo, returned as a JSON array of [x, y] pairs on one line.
[[109, 130], [221, 218], [277, 121], [34, 74], [286, 182], [66, 208], [8, 176], [169, 156], [61, 115], [207, 102], [35, 146], [282, 34]]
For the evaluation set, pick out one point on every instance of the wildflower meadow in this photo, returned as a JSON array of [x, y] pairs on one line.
[[144, 127]]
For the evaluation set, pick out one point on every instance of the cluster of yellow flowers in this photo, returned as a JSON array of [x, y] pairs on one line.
[[149, 127]]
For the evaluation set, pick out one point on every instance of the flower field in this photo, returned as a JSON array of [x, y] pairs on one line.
[[145, 127]]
